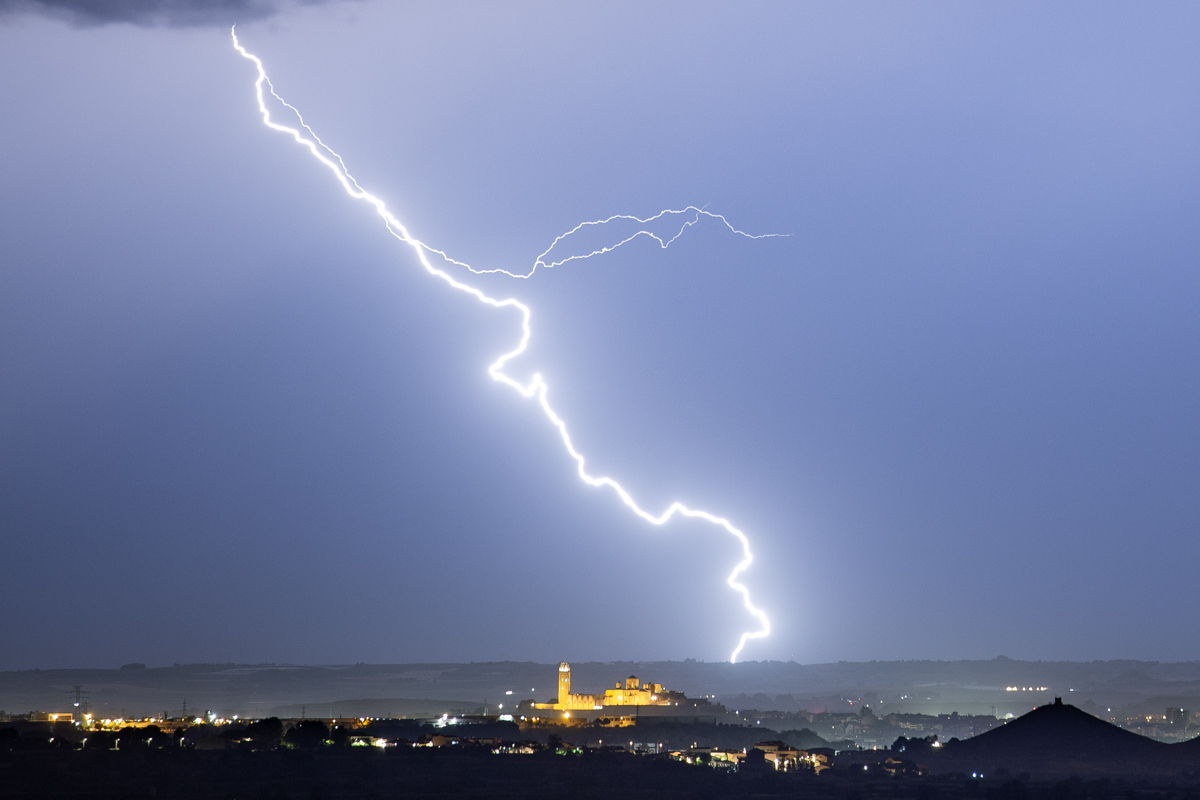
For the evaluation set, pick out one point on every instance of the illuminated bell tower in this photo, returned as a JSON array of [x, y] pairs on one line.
[[564, 684]]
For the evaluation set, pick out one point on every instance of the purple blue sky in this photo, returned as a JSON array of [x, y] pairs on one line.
[[957, 411]]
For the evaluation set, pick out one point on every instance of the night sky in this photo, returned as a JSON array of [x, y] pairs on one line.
[[957, 410]]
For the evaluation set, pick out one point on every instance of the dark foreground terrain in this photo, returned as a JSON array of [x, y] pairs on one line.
[[1056, 752], [459, 773]]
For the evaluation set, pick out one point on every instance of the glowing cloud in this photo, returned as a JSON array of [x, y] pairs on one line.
[[537, 387]]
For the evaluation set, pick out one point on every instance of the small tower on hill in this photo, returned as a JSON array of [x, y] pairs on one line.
[[564, 683]]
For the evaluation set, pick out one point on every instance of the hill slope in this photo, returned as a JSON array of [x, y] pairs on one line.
[[1062, 739]]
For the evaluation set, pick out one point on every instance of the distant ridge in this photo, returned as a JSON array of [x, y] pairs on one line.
[[384, 707], [903, 687]]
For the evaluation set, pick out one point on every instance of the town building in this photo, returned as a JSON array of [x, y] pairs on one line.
[[628, 693]]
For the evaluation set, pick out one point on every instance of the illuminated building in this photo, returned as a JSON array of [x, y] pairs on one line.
[[629, 693], [564, 683]]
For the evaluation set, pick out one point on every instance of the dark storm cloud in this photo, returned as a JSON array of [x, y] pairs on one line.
[[178, 13]]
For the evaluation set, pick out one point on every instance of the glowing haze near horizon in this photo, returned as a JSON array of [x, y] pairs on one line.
[[957, 409]]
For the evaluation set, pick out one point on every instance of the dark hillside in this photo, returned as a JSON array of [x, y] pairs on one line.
[[1056, 731], [1062, 739], [1189, 749]]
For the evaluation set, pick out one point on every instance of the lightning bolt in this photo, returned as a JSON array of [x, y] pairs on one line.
[[536, 388]]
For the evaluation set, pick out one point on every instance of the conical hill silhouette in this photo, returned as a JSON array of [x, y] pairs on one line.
[[1061, 739], [1057, 731]]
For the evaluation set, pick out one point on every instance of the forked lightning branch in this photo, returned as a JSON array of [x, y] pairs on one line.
[[536, 388]]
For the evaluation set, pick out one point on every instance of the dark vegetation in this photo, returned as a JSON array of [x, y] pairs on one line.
[[1056, 752], [331, 773], [672, 735]]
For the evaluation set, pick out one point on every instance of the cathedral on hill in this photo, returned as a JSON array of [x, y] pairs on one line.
[[629, 693]]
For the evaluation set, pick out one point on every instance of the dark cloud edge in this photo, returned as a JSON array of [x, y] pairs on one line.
[[152, 13]]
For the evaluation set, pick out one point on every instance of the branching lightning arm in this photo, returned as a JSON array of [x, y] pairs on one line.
[[536, 388]]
